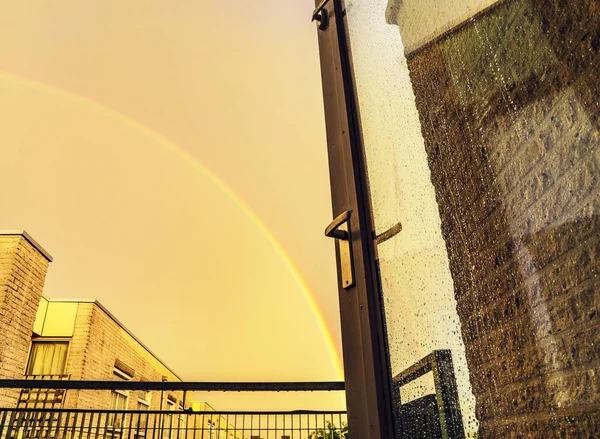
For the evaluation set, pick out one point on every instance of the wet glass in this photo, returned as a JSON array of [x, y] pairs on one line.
[[480, 124]]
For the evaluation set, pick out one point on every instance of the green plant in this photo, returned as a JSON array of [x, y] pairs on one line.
[[331, 432]]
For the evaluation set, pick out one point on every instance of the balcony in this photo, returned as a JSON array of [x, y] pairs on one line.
[[53, 419], [42, 397]]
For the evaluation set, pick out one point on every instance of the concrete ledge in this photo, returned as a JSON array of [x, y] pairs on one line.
[[28, 237]]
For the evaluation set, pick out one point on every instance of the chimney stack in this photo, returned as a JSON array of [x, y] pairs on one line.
[[23, 267]]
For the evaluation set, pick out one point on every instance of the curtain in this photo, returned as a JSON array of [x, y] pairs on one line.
[[47, 358]]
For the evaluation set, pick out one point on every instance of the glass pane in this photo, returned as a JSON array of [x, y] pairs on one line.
[[480, 121], [47, 358], [119, 401]]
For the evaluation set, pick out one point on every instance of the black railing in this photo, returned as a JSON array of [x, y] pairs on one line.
[[318, 386], [204, 423], [142, 424]]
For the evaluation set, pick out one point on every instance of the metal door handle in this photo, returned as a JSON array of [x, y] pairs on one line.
[[340, 230], [333, 230]]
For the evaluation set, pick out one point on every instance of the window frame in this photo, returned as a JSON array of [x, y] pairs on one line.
[[38, 340], [142, 404], [123, 376], [170, 406]]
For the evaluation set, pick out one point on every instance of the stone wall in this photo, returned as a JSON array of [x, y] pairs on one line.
[[23, 267], [510, 113]]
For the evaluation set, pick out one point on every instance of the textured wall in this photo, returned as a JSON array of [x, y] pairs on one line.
[[22, 275], [509, 107], [98, 342]]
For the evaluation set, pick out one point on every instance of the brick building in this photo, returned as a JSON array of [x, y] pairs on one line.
[[23, 267], [509, 112], [68, 339], [216, 423]]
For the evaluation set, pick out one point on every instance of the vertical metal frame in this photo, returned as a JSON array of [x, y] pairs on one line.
[[366, 359]]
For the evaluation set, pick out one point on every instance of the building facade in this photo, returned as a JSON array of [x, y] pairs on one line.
[[45, 338], [23, 267], [82, 340], [216, 424]]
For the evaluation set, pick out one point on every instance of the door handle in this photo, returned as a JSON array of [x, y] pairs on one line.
[[340, 230]]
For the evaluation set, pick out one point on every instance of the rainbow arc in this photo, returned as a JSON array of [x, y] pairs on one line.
[[228, 191]]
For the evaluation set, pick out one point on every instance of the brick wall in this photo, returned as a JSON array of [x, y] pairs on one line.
[[22, 274], [98, 343], [510, 112]]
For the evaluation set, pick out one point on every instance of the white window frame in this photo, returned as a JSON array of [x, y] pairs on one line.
[[171, 404], [124, 376], [142, 404], [144, 401]]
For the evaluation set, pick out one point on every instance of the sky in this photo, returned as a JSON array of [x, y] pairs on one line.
[[171, 157]]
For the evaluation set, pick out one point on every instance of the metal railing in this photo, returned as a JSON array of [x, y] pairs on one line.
[[101, 423], [141, 424]]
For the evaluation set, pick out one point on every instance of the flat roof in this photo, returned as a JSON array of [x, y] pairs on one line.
[[111, 315], [28, 237]]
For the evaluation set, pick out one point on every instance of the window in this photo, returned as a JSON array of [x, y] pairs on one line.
[[168, 420], [182, 418], [47, 357], [171, 403], [47, 360], [143, 403], [118, 401]]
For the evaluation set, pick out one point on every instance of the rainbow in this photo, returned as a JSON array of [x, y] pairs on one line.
[[193, 161]]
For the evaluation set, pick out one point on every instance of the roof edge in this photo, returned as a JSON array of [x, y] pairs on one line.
[[29, 239], [111, 315]]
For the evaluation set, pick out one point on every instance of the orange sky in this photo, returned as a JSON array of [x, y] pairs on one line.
[[94, 174]]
